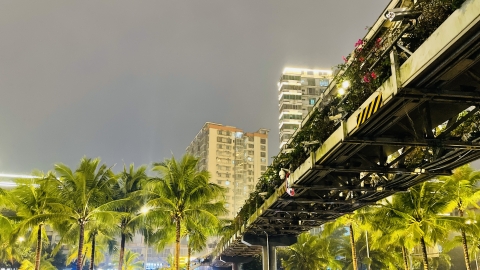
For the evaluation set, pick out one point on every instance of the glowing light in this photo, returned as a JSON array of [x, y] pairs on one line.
[[21, 239], [7, 184], [341, 91], [345, 84], [144, 209], [469, 221]]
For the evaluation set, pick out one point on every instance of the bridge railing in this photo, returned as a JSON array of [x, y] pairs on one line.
[[368, 69]]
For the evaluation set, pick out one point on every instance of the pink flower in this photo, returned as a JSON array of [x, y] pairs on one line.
[[374, 76], [344, 59], [359, 42], [366, 79]]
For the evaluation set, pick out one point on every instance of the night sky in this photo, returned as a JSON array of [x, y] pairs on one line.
[[134, 81]]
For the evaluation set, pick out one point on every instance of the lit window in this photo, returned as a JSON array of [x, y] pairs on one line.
[[312, 101]]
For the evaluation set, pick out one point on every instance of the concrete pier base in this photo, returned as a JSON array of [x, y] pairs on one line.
[[269, 243]]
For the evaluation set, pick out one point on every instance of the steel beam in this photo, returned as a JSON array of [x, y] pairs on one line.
[[327, 212], [440, 95], [295, 218], [317, 200], [401, 142], [375, 170]]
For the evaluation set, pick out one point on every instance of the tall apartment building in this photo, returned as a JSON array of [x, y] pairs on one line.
[[234, 158], [298, 90]]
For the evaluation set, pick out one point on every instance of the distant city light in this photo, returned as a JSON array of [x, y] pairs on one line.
[[7, 184], [7, 175]]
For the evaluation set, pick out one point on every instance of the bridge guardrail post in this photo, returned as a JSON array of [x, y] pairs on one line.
[[395, 67]]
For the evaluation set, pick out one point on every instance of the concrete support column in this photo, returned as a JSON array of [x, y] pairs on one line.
[[272, 256], [265, 265], [268, 244], [235, 266], [269, 258]]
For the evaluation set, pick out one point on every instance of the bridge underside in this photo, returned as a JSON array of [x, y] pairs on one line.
[[399, 146]]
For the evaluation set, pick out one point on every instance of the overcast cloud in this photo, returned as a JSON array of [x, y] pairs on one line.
[[134, 81]]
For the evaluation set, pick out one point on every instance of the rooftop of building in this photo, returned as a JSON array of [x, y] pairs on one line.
[[261, 132], [298, 71]]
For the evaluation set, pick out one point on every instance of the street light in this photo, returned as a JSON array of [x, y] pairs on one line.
[[400, 14]]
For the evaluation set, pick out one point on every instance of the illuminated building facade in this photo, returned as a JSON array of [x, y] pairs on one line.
[[298, 90], [234, 158]]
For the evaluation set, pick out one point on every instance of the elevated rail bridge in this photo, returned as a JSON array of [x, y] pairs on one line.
[[365, 159]]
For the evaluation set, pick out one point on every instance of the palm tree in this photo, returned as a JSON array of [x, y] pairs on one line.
[[415, 215], [197, 232], [385, 234], [379, 256], [6, 228], [129, 183], [130, 261], [100, 233], [182, 193], [87, 193], [313, 252], [354, 221], [96, 249], [33, 199], [6, 247], [464, 195], [28, 265]]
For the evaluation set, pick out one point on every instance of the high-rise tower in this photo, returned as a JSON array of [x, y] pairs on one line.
[[234, 158], [298, 90]]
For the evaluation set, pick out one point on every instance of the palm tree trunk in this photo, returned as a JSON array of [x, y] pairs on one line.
[[38, 252], [92, 256], [354, 251], [424, 253], [465, 250], [122, 251], [80, 244], [405, 258], [177, 245], [465, 245], [188, 258]]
